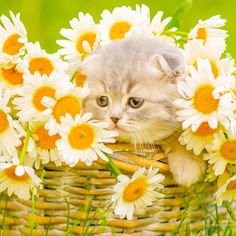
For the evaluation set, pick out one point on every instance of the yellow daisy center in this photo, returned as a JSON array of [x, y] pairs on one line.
[[3, 121], [135, 190], [10, 172], [119, 29], [231, 185], [80, 79], [13, 76], [228, 150], [42, 65], [202, 34], [38, 95], [11, 45], [90, 37], [68, 104], [81, 136], [214, 69], [45, 141], [204, 101], [205, 130]]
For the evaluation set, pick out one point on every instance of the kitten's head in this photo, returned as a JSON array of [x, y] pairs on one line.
[[133, 86]]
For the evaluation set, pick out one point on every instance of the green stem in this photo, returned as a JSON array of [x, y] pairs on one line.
[[217, 220], [231, 169], [33, 206], [183, 217], [227, 206], [73, 77], [24, 149], [114, 168], [181, 33]]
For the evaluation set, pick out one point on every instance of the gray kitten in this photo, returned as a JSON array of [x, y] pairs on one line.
[[133, 87]]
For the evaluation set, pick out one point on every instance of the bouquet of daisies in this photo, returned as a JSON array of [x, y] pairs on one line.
[[41, 96], [40, 113]]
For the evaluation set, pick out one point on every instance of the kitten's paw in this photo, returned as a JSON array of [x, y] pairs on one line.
[[186, 168]]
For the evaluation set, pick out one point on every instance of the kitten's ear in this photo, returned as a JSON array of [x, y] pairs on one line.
[[171, 63]]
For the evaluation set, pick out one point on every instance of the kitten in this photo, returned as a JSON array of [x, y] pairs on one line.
[[133, 87]]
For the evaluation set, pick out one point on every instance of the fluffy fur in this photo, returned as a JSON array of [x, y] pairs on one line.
[[147, 69]]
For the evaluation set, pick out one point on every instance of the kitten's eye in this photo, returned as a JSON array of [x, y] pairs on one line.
[[102, 101], [135, 102]]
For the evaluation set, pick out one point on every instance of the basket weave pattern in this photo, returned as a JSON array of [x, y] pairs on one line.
[[77, 192]]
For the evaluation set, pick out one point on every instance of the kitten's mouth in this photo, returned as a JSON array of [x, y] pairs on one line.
[[118, 129]]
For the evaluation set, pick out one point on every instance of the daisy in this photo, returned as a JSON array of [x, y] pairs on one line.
[[154, 29], [228, 111], [9, 139], [18, 179], [82, 38], [199, 105], [210, 175], [225, 92], [45, 146], [114, 25], [139, 191], [11, 77], [209, 29], [65, 101], [83, 139], [38, 60], [226, 188], [195, 49], [13, 38], [78, 78], [40, 148], [35, 88], [158, 25], [5, 158], [30, 150], [198, 140], [221, 152], [144, 11]]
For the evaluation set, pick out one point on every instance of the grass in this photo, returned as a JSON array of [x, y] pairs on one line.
[[99, 218], [213, 225], [34, 194]]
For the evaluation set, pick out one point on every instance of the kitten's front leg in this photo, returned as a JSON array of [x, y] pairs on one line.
[[186, 167]]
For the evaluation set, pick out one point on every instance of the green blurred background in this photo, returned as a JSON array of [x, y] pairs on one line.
[[44, 18]]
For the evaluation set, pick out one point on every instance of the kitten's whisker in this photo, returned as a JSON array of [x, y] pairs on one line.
[[149, 141], [142, 138], [146, 140], [137, 137]]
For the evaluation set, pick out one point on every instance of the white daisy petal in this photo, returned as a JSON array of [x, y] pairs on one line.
[[138, 192], [82, 139]]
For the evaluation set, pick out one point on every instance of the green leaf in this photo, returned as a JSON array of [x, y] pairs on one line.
[[178, 14]]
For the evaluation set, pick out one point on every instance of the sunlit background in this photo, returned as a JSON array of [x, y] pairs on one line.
[[44, 18]]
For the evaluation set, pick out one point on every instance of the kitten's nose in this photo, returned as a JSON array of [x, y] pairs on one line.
[[114, 119]]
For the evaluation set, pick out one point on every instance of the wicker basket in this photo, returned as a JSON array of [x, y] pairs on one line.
[[83, 193]]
